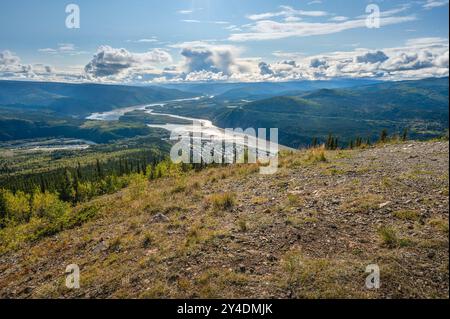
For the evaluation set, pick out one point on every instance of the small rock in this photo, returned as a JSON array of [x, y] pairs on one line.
[[102, 246], [384, 204], [160, 218]]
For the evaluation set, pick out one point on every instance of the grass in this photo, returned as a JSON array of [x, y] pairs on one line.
[[295, 200], [297, 221], [14, 237], [440, 224], [303, 158], [149, 239], [221, 202], [219, 283], [311, 278], [316, 155], [390, 239], [242, 224], [362, 204], [407, 215]]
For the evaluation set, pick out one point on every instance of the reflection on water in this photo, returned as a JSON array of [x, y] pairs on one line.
[[208, 130]]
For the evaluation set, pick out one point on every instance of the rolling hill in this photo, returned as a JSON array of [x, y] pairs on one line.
[[80, 99], [420, 106]]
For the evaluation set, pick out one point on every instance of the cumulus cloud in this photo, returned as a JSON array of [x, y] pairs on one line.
[[418, 58], [372, 57], [7, 58], [210, 61], [110, 61], [264, 69], [317, 63], [11, 67], [204, 57]]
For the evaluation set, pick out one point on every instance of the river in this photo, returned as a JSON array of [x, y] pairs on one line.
[[208, 129]]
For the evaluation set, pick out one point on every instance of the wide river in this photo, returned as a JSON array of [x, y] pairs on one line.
[[207, 128]]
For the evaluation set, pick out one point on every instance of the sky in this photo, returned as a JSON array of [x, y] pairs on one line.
[[154, 41]]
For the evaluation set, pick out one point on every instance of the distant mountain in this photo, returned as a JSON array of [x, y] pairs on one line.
[[259, 90], [421, 106], [81, 99]]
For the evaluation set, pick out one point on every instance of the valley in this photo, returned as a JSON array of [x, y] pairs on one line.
[[362, 178]]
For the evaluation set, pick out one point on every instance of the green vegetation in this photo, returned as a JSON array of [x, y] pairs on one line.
[[363, 111], [223, 201], [390, 239]]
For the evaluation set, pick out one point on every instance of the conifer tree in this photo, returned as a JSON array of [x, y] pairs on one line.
[[405, 135], [383, 136]]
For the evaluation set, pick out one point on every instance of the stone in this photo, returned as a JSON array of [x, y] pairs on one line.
[[160, 218]]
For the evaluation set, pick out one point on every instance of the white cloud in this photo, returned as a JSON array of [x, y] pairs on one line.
[[211, 22], [418, 58], [339, 18], [185, 11], [189, 11], [430, 4], [12, 68], [205, 57], [191, 21], [145, 40], [63, 49], [372, 57], [110, 61], [210, 61], [270, 30], [286, 11], [7, 58]]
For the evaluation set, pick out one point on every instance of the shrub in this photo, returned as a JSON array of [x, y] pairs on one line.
[[316, 155], [148, 240], [388, 237], [242, 224], [223, 201], [16, 207], [47, 205], [407, 214]]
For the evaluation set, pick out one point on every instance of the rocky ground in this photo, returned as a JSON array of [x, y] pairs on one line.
[[308, 231]]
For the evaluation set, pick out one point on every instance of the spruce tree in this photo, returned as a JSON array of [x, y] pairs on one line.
[[383, 136], [405, 135]]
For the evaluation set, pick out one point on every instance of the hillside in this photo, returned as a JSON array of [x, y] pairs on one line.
[[80, 99], [420, 106], [308, 231], [258, 90]]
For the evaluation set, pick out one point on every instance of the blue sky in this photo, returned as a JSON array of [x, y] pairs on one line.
[[234, 40]]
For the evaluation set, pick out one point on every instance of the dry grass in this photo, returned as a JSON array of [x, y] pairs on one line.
[[220, 202]]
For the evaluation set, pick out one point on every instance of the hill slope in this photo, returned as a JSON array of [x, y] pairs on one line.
[[309, 231], [421, 106], [81, 99]]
